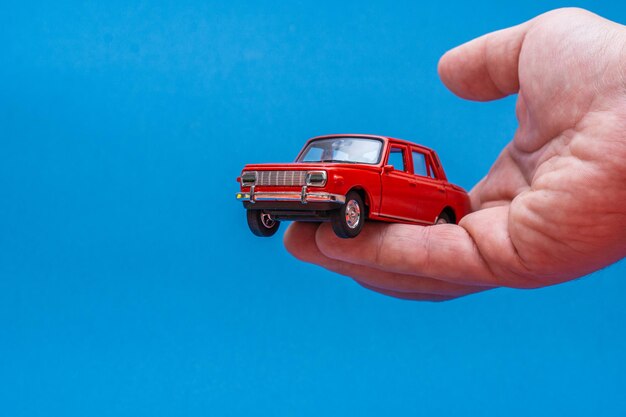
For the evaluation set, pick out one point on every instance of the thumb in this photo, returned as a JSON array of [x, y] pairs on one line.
[[485, 68]]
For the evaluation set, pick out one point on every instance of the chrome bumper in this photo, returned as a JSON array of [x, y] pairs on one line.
[[303, 196]]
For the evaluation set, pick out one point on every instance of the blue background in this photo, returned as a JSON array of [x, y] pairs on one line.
[[129, 283]]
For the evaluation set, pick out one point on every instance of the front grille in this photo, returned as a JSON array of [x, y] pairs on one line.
[[281, 178]]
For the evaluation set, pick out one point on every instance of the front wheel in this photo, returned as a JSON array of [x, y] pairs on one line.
[[348, 220], [262, 224]]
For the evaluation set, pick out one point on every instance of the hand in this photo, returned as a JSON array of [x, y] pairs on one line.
[[552, 207]]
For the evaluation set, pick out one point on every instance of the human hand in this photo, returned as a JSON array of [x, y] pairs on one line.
[[553, 206]]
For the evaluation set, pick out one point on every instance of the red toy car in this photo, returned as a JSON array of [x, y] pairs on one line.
[[346, 179]]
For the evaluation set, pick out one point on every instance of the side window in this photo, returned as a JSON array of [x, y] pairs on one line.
[[396, 158], [433, 163], [431, 171], [419, 164]]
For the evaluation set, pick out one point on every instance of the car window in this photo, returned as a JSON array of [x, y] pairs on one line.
[[419, 164], [343, 149], [396, 158], [431, 171], [314, 154]]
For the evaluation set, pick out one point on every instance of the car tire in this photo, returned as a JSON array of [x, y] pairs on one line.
[[444, 218], [261, 224], [347, 221]]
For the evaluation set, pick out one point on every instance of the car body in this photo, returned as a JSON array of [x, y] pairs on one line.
[[347, 178]]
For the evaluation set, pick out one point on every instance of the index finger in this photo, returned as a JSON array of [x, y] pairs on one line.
[[445, 252]]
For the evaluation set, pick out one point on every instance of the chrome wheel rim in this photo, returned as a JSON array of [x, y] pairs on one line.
[[353, 214], [441, 221], [267, 220]]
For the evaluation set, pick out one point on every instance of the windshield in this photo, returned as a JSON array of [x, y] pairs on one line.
[[350, 150]]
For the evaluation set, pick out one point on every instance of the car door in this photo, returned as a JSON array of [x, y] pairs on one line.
[[430, 191], [398, 185]]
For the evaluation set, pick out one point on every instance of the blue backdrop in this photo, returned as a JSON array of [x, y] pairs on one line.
[[129, 283]]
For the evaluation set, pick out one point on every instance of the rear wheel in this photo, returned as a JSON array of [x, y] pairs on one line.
[[444, 218], [348, 220], [262, 224]]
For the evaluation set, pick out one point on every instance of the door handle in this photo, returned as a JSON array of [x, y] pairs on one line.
[[441, 190], [412, 183]]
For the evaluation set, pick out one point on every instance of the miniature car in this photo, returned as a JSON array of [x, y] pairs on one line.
[[346, 179]]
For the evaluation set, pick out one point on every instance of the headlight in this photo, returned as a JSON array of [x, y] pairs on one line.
[[316, 178], [248, 178]]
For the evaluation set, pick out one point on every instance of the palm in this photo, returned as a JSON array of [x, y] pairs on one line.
[[551, 207], [556, 187]]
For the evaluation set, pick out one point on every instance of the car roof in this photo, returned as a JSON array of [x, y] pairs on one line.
[[384, 138]]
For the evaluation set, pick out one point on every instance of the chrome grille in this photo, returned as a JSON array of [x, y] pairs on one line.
[[281, 178]]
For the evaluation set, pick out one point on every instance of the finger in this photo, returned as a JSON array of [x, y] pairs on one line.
[[443, 252], [397, 282], [485, 68], [409, 295], [300, 241]]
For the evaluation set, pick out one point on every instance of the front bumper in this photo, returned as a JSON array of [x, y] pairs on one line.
[[303, 196]]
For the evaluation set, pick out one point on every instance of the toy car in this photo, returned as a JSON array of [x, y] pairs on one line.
[[346, 179]]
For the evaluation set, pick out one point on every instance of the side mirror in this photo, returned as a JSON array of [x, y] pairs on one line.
[[388, 168]]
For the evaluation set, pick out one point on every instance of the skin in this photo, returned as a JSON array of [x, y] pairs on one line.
[[553, 205]]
